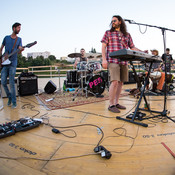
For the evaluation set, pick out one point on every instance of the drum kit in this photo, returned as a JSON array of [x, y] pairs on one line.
[[86, 77]]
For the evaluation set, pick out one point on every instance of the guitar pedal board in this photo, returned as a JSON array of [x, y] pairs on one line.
[[23, 124], [6, 130]]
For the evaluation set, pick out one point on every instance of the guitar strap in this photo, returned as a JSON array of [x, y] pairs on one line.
[[14, 44]]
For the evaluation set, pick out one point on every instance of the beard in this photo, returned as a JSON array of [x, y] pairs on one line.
[[116, 26], [16, 32]]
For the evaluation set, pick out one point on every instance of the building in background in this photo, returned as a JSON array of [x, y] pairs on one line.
[[36, 54]]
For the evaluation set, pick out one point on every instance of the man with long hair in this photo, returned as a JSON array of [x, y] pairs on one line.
[[115, 39]]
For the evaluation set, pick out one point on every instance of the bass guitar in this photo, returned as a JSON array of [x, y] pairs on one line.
[[5, 57]]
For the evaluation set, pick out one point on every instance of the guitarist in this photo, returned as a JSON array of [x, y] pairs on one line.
[[11, 43]]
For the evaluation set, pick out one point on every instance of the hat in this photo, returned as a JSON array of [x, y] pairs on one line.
[[155, 50]]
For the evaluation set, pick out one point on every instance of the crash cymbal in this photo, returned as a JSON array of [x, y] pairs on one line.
[[90, 56], [74, 55]]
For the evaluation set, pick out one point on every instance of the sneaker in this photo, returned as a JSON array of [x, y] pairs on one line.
[[120, 106], [14, 106], [9, 102], [158, 91], [113, 109]]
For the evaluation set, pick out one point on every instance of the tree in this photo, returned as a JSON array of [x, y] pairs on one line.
[[21, 61], [92, 50], [52, 58]]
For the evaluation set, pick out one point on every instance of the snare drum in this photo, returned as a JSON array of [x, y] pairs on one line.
[[155, 75], [94, 66]]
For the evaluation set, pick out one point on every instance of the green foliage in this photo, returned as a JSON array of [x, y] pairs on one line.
[[38, 61]]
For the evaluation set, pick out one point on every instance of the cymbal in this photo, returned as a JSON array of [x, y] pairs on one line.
[[99, 56], [90, 56], [74, 55]]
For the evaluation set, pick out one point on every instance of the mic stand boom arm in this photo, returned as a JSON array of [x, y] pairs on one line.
[[163, 29]]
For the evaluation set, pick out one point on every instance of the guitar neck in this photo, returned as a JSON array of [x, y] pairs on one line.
[[16, 51]]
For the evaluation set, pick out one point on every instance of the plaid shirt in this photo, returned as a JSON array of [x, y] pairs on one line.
[[116, 41]]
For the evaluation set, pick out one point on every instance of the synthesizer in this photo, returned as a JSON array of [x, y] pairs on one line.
[[132, 55]]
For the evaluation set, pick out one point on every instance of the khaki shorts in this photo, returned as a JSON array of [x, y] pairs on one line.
[[118, 72]]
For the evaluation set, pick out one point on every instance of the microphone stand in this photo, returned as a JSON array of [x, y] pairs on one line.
[[163, 29]]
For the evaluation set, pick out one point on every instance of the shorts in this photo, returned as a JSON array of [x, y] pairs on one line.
[[118, 72]]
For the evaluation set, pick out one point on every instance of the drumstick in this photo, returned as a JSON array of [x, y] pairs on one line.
[[169, 150]]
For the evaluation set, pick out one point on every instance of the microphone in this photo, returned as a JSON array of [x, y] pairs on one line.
[[128, 20]]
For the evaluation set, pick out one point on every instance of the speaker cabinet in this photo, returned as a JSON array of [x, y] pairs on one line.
[[131, 78], [3, 94], [50, 87], [27, 84]]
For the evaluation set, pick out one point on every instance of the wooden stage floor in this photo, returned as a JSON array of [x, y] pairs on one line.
[[135, 149]]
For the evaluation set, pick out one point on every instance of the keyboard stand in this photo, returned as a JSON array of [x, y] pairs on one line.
[[142, 95]]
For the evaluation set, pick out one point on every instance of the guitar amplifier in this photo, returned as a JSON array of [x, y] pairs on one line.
[[27, 84], [131, 78]]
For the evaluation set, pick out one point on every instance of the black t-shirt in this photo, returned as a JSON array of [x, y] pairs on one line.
[[83, 59], [169, 58]]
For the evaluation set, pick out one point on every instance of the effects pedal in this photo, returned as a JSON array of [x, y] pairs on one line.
[[24, 124], [103, 151], [139, 116], [6, 130]]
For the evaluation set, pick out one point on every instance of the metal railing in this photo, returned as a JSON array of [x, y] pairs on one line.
[[52, 70]]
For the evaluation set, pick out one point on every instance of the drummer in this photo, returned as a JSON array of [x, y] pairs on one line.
[[80, 59], [157, 68]]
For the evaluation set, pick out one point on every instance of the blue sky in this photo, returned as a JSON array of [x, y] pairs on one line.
[[63, 27]]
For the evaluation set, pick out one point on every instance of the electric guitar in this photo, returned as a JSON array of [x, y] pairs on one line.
[[4, 59]]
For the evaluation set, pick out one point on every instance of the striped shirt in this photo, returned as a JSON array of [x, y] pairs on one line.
[[116, 41]]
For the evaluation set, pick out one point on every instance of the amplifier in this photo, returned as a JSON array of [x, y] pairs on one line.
[[27, 84], [131, 78]]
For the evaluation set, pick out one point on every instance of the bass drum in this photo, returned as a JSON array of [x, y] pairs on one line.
[[96, 84]]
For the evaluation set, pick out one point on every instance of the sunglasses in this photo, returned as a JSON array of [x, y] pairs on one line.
[[113, 21]]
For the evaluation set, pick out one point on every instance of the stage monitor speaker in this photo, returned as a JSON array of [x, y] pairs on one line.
[[50, 87], [27, 84]]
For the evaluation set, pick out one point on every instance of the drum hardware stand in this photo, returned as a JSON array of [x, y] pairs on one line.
[[81, 87], [165, 111]]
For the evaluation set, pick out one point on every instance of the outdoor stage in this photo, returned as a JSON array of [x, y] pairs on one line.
[[135, 149]]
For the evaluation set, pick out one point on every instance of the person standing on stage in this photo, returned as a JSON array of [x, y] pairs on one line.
[[115, 39], [169, 60], [81, 58], [11, 43]]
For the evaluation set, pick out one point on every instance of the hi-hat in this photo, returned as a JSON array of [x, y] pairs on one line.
[[74, 55], [99, 56]]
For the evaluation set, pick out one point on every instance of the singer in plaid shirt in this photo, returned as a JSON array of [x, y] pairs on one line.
[[115, 39]]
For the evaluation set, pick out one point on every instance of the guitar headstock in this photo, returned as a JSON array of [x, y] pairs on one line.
[[31, 44]]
